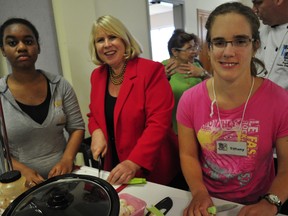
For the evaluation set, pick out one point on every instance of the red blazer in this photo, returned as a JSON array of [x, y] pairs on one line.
[[142, 119]]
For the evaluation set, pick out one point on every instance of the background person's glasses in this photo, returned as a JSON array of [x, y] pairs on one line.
[[237, 42], [189, 49]]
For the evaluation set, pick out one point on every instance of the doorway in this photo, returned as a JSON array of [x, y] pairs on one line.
[[161, 28]]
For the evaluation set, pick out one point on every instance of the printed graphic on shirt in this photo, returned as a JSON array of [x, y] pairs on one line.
[[283, 57], [60, 116], [227, 167], [58, 103]]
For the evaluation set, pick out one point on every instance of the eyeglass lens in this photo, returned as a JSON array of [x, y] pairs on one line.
[[237, 42]]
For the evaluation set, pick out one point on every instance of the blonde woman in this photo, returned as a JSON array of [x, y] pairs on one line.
[[130, 108]]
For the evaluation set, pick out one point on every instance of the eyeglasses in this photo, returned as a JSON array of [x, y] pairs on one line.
[[189, 49], [237, 42]]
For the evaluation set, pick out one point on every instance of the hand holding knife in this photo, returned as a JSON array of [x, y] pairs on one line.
[[219, 208]]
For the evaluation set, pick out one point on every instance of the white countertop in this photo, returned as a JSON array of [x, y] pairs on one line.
[[152, 193]]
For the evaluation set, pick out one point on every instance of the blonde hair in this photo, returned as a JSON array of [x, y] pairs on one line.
[[112, 25]]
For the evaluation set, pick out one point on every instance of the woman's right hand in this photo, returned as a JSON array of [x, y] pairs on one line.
[[32, 177], [170, 67], [98, 144], [199, 204], [123, 172]]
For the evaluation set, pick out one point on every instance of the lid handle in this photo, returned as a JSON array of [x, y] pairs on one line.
[[60, 200]]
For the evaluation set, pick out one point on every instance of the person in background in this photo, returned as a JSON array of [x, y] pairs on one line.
[[274, 39], [37, 106], [183, 69], [131, 105], [229, 125], [274, 44]]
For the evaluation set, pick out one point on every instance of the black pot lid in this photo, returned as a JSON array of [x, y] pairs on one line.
[[67, 195]]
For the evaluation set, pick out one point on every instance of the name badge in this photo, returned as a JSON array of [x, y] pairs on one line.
[[232, 148]]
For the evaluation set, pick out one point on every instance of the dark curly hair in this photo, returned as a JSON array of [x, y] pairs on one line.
[[179, 38]]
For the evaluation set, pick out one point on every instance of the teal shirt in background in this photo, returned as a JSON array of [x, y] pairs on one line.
[[179, 84]]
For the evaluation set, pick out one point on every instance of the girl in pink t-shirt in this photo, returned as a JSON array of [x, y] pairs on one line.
[[229, 125]]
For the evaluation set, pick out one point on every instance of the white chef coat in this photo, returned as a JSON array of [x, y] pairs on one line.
[[274, 53]]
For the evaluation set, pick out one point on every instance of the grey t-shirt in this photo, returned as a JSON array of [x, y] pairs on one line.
[[41, 146]]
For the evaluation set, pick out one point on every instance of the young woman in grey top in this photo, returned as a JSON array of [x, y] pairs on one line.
[[38, 106]]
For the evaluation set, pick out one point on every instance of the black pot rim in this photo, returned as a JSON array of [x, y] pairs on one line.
[[115, 205]]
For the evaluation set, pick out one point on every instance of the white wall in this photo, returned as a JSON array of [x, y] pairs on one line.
[[161, 20], [73, 20], [41, 15]]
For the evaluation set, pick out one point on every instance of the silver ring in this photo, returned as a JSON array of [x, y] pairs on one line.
[[189, 72], [30, 184]]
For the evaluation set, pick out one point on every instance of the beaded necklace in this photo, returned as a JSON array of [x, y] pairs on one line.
[[117, 79]]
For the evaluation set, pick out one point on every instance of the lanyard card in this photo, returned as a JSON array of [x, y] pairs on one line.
[[231, 148]]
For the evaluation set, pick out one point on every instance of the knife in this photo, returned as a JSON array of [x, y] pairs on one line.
[[219, 208], [161, 208], [99, 165]]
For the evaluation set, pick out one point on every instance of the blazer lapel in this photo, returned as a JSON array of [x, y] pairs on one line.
[[126, 88], [100, 95]]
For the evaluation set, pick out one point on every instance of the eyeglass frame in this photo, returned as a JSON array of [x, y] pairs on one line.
[[193, 49], [233, 42]]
